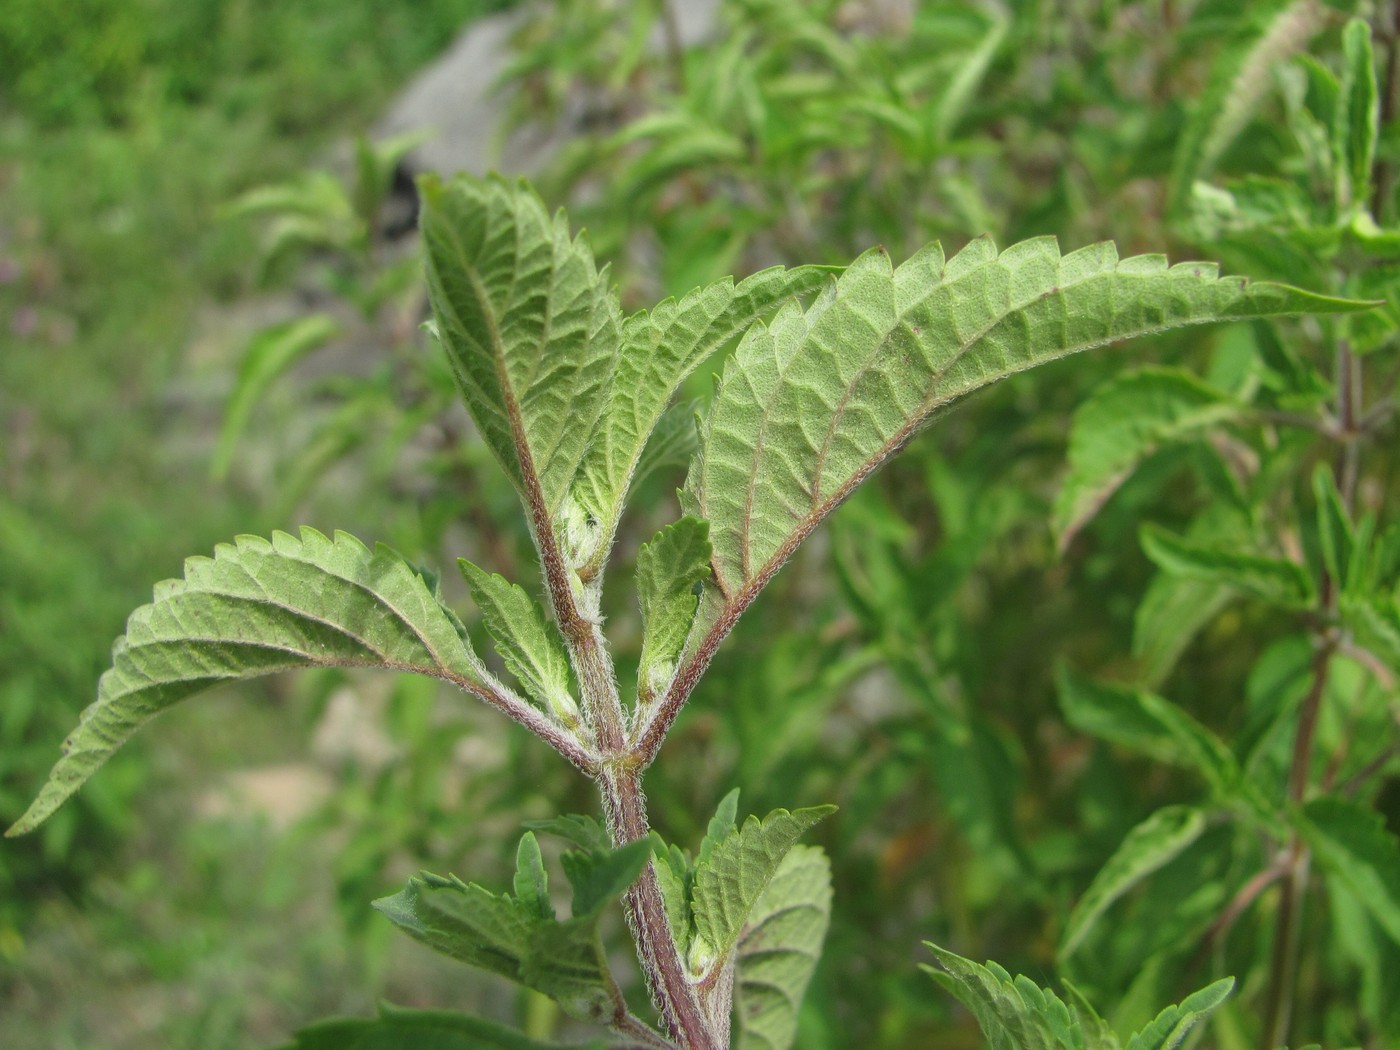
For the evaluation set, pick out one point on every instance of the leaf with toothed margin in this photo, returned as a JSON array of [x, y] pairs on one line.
[[660, 348], [260, 606], [529, 324], [779, 948], [518, 936], [812, 403], [730, 880], [529, 644], [1017, 1014]]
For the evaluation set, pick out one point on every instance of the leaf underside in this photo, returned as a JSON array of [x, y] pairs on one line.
[[779, 948], [738, 869], [255, 608], [530, 326], [813, 402]]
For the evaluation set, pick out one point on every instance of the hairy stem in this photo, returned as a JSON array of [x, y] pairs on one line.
[[670, 986]]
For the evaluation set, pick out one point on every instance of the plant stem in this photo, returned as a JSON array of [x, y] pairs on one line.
[[671, 989]]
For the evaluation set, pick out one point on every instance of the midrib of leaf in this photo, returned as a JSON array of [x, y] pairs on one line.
[[1142, 295], [259, 607]]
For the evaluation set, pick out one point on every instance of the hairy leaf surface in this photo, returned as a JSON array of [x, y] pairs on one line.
[[814, 402], [518, 936], [739, 868], [660, 348], [532, 329], [779, 948], [1017, 1014], [668, 569], [527, 642], [258, 607]]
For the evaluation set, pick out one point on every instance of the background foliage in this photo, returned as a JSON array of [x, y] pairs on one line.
[[1062, 646]]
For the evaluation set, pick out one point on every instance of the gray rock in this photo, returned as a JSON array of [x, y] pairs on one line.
[[459, 100]]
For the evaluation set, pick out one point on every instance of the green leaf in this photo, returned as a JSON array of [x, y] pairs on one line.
[[1171, 613], [1171, 1027], [730, 881], [1148, 846], [1122, 423], [669, 568], [582, 830], [270, 353], [660, 349], [721, 825], [779, 948], [531, 881], [1351, 841], [811, 405], [1147, 723], [530, 326], [1014, 1014], [1356, 124], [519, 937], [527, 642], [1278, 582], [598, 876], [1017, 1014], [674, 874], [396, 1028], [258, 607]]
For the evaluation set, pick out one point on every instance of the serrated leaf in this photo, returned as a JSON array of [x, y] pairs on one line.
[[580, 829], [1171, 1027], [530, 326], [1352, 842], [738, 870], [778, 950], [528, 643], [518, 936], [668, 570], [255, 608], [598, 876], [661, 347], [1122, 423], [396, 1028], [1151, 844], [269, 354], [721, 825], [1014, 1014], [1147, 723], [810, 405], [1017, 1014], [1278, 582]]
